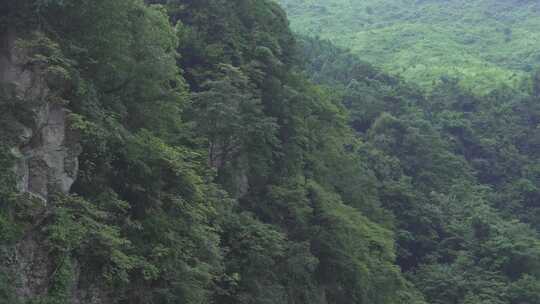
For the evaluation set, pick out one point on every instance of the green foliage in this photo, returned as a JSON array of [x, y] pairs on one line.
[[452, 174], [229, 113], [483, 43], [253, 251], [213, 171], [364, 264], [80, 227], [525, 290], [60, 291]]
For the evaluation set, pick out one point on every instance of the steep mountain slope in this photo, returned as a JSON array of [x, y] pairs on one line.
[[196, 151], [458, 172], [174, 154], [483, 42]]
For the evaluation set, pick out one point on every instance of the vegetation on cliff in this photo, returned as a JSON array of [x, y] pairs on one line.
[[224, 160]]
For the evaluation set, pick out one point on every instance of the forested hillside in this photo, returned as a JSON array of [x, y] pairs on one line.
[[198, 152], [458, 173], [209, 169], [485, 43]]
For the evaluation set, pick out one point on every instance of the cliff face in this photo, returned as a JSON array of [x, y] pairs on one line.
[[45, 152], [45, 148]]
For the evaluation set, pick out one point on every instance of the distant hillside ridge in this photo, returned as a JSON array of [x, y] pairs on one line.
[[484, 43]]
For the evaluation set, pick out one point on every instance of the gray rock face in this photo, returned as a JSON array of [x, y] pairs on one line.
[[47, 163], [47, 150], [32, 265]]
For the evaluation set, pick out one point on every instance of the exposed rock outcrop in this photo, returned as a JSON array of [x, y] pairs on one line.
[[45, 147], [46, 152]]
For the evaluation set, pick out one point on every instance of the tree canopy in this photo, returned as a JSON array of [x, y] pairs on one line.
[[226, 160]]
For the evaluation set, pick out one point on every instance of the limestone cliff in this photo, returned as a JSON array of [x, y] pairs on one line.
[[45, 148], [45, 152]]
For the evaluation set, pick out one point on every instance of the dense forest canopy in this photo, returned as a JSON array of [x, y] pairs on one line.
[[484, 43], [197, 151]]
